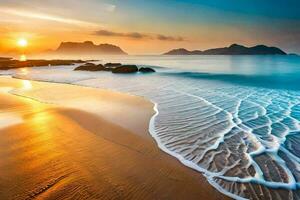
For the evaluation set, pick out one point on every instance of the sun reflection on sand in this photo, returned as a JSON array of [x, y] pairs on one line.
[[26, 85]]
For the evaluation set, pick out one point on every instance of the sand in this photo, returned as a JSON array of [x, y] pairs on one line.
[[85, 144]]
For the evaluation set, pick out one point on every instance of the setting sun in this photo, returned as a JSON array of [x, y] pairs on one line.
[[22, 42]]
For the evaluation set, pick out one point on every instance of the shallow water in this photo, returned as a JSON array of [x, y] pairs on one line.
[[234, 118]]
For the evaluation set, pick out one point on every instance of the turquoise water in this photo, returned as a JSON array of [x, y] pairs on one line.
[[236, 119], [265, 71], [220, 64]]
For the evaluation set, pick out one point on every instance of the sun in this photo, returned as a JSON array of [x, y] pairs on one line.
[[22, 42]]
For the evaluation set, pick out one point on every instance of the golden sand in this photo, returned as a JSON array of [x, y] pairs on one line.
[[67, 150]]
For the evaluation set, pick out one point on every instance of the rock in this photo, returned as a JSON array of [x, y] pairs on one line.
[[108, 69], [124, 69], [112, 65], [146, 70], [89, 64], [90, 67]]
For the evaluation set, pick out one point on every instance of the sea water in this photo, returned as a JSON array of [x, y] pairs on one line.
[[236, 119]]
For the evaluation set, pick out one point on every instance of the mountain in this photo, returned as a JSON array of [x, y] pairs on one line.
[[234, 49], [88, 47], [183, 51]]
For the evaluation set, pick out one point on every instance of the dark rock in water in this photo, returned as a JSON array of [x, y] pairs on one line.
[[90, 64], [109, 69], [124, 69], [146, 70], [92, 60], [112, 65], [90, 67]]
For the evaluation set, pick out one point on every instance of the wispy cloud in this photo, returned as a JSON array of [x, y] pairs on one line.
[[134, 35], [169, 38], [41, 16], [137, 35]]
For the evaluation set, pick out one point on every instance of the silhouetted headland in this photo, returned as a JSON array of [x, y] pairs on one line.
[[234, 49], [87, 48]]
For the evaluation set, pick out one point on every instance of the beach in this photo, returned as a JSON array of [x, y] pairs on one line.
[[229, 132], [61, 141]]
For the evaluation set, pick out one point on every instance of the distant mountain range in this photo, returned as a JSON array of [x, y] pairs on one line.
[[234, 49], [88, 48]]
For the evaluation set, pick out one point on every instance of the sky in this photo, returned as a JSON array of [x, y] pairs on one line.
[[150, 27]]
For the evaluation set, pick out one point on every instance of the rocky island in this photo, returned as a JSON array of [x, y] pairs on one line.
[[234, 49], [88, 48]]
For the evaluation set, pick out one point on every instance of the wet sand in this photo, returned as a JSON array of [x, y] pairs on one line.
[[101, 150]]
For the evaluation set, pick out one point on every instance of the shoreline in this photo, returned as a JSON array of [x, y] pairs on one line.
[[124, 153]]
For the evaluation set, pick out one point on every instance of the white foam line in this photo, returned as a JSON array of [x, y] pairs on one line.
[[258, 179], [185, 162], [259, 172]]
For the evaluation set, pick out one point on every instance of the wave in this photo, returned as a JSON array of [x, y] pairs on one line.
[[244, 139], [278, 81]]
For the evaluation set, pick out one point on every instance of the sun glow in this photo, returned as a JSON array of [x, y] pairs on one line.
[[22, 42]]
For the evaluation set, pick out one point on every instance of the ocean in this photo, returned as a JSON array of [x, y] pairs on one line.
[[236, 119]]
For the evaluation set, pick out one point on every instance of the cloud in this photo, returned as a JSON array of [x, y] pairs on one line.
[[46, 17], [169, 38], [133, 35], [136, 35], [61, 6]]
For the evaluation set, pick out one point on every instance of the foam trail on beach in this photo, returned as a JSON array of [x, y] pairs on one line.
[[244, 139]]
